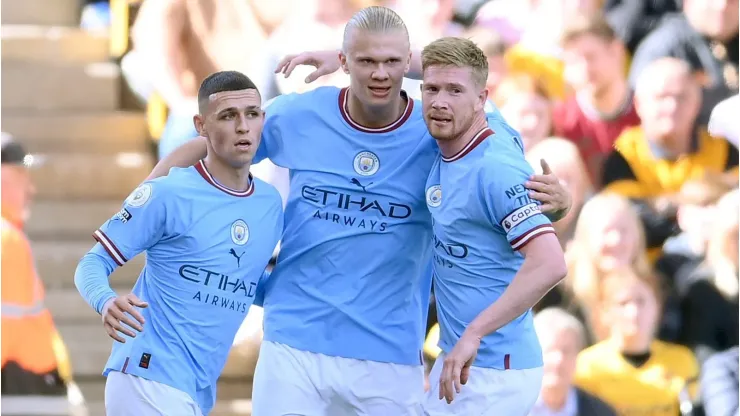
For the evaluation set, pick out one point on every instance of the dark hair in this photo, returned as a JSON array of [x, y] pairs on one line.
[[222, 81]]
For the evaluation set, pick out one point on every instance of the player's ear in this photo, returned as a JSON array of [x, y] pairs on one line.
[[343, 62], [483, 96], [199, 125], [408, 63]]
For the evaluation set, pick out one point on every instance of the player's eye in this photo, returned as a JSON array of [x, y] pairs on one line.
[[253, 114], [228, 116]]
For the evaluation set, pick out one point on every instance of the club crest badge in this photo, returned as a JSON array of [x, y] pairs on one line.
[[239, 232], [434, 196], [366, 163]]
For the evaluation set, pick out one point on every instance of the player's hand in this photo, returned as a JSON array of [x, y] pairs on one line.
[[325, 62], [456, 368], [119, 311], [550, 191]]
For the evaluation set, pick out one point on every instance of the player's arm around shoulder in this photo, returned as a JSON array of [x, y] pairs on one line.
[[554, 198], [519, 218]]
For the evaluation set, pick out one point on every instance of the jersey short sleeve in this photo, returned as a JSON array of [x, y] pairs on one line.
[[507, 201], [272, 145], [139, 224]]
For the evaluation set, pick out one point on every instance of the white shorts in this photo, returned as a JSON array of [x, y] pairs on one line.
[[488, 392], [291, 382], [129, 395]]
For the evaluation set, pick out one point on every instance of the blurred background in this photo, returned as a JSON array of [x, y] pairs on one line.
[[632, 102]]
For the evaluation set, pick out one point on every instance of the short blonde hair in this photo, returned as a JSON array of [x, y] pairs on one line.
[[375, 19], [554, 319], [457, 52]]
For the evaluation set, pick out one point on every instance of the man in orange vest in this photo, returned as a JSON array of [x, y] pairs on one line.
[[35, 364]]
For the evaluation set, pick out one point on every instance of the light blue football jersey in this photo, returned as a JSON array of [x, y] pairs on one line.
[[350, 276], [482, 216], [207, 247]]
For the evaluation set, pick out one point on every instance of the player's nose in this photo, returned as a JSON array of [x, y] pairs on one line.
[[242, 126], [380, 73], [439, 105]]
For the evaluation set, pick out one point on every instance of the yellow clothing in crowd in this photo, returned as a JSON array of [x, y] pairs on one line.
[[652, 389]]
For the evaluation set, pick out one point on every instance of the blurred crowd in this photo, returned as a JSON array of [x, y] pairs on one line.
[[617, 96]]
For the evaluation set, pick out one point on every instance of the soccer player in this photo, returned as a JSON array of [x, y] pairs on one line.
[[495, 253], [345, 306], [209, 231]]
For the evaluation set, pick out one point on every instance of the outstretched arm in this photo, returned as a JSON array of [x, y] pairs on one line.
[[186, 155], [327, 62]]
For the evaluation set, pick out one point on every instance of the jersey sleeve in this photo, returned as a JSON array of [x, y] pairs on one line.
[[272, 144], [139, 225], [508, 203]]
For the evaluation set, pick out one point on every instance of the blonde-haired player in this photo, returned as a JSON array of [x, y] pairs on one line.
[[345, 305], [495, 253]]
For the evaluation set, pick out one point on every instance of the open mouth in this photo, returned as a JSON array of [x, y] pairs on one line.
[[440, 119], [380, 91], [243, 144]]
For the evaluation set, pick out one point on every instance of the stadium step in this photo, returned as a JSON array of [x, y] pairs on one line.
[[40, 12], [89, 347], [69, 220], [89, 176], [56, 262], [30, 43], [99, 133], [38, 86]]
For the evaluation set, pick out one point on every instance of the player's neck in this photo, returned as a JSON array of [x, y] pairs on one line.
[[236, 179], [613, 98], [450, 148], [375, 117]]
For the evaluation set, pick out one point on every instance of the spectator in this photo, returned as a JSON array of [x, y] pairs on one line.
[[651, 162], [696, 205], [709, 288], [562, 337], [630, 370], [719, 384], [507, 18], [317, 26], [602, 106], [705, 36], [525, 105], [633, 20], [176, 44], [36, 372], [566, 163], [608, 237], [538, 53], [494, 47]]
